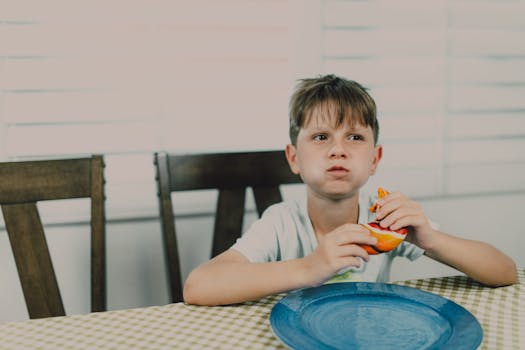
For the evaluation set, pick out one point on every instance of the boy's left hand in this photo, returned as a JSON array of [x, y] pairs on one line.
[[396, 211]]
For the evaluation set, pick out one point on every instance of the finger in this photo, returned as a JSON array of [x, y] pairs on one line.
[[407, 221], [390, 197], [407, 206], [394, 216], [351, 262], [347, 234], [389, 207], [350, 250]]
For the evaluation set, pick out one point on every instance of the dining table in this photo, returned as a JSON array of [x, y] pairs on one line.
[[500, 312]]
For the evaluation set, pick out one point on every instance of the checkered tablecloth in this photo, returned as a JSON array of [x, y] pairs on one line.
[[501, 312]]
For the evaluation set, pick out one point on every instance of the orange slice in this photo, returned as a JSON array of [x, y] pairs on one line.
[[386, 239]]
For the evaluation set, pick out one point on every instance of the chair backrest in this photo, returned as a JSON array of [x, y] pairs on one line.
[[22, 185], [231, 174]]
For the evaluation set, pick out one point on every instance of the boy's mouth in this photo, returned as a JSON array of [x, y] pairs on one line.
[[337, 169]]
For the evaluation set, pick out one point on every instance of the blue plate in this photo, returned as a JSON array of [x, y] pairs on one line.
[[372, 316]]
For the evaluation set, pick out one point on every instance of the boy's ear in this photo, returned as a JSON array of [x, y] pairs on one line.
[[378, 154], [291, 156]]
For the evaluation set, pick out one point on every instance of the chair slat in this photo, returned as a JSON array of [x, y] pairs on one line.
[[228, 219], [44, 180], [229, 170], [266, 196], [167, 220], [33, 261], [98, 237]]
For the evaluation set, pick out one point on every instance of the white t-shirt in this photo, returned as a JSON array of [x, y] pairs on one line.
[[285, 232]]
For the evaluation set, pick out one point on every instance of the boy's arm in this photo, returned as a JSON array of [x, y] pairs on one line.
[[231, 278], [480, 261]]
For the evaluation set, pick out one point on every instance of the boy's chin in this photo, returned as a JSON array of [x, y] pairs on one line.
[[340, 195], [335, 191]]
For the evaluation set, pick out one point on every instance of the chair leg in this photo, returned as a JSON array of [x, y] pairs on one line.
[[33, 261]]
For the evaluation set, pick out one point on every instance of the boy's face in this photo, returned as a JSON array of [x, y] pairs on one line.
[[333, 161]]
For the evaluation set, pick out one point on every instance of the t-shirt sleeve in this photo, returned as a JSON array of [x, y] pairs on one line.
[[409, 251], [259, 243]]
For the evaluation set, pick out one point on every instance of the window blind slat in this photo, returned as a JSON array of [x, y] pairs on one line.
[[380, 71], [384, 13], [402, 155], [207, 13], [487, 14], [38, 140], [121, 39], [79, 73], [409, 100], [487, 71], [52, 107], [486, 125], [485, 151], [486, 43], [422, 127], [478, 178], [493, 98], [414, 181], [387, 43]]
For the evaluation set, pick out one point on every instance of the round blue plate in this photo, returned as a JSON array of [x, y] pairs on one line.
[[372, 316]]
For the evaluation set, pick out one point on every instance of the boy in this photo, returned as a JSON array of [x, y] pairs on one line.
[[333, 132]]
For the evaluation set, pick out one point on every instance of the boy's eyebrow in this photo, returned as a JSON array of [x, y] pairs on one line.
[[354, 128]]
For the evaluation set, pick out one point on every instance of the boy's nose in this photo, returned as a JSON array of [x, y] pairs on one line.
[[338, 151]]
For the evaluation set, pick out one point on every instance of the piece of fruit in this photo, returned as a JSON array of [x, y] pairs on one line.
[[386, 239]]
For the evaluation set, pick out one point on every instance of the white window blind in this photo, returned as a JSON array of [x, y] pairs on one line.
[[126, 78], [449, 81]]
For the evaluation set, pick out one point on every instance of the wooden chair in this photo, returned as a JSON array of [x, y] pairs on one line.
[[231, 174], [22, 185]]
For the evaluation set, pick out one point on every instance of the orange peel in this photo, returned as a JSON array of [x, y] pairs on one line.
[[381, 193], [387, 239]]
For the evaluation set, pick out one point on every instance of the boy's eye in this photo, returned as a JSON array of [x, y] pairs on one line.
[[355, 137], [320, 137]]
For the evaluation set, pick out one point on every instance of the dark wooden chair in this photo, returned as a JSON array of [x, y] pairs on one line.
[[231, 174], [22, 185]]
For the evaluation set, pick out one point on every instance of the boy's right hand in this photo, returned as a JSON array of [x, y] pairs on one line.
[[337, 250]]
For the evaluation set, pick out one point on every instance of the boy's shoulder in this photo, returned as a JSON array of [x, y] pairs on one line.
[[288, 207]]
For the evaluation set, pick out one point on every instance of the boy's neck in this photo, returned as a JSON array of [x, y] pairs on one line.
[[327, 215]]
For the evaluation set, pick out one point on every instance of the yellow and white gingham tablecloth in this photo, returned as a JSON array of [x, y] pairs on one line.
[[501, 312]]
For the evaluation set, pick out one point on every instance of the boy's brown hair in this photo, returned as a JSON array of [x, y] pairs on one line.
[[345, 99]]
